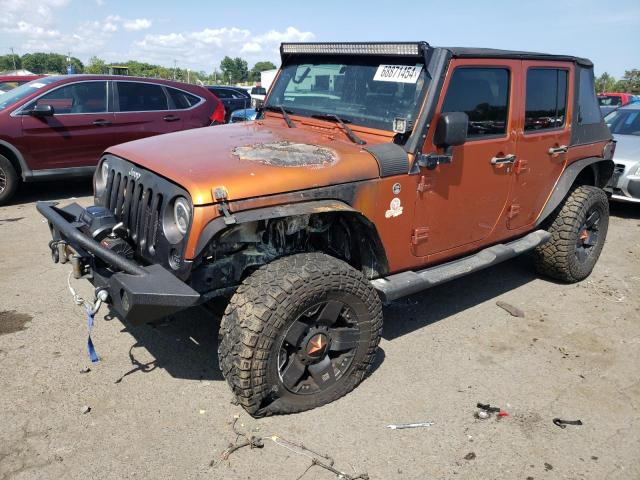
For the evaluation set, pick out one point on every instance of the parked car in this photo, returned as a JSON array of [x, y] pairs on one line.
[[610, 101], [233, 98], [625, 126], [9, 82], [58, 126], [258, 95], [243, 115], [379, 170]]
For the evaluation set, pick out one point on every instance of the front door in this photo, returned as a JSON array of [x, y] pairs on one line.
[[460, 203], [77, 133], [543, 141]]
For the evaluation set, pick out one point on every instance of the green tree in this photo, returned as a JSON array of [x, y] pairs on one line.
[[49, 63], [605, 83], [96, 66], [630, 83], [234, 70], [7, 62], [254, 75]]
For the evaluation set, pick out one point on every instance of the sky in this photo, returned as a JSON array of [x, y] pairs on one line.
[[197, 34]]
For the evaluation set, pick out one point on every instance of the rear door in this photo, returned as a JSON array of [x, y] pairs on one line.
[[543, 141], [142, 110], [188, 107], [78, 132]]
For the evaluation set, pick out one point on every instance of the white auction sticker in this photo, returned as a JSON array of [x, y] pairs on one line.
[[37, 85], [398, 73]]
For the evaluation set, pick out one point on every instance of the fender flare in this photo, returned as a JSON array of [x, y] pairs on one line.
[[24, 168], [566, 180], [218, 224]]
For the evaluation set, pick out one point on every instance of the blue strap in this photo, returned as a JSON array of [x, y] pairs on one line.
[[90, 348]]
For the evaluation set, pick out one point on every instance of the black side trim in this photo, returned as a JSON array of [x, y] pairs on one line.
[[57, 173], [406, 283], [392, 159], [563, 185]]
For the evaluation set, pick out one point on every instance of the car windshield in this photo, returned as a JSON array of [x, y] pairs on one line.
[[609, 100], [23, 91], [367, 91], [624, 121]]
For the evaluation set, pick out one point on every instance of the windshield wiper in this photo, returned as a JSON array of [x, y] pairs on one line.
[[285, 113], [352, 136]]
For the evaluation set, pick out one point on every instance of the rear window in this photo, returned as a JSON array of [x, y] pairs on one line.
[[588, 110], [182, 99], [141, 97], [259, 91], [483, 94], [220, 92], [546, 98], [609, 100]]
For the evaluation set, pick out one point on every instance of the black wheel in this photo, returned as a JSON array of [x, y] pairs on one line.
[[299, 332], [578, 228], [9, 180]]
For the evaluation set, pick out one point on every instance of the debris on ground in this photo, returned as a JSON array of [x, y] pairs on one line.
[[402, 426], [317, 459], [486, 411], [470, 456], [85, 370], [85, 409], [563, 423], [511, 309]]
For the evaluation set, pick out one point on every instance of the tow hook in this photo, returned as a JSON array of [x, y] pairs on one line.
[[58, 251]]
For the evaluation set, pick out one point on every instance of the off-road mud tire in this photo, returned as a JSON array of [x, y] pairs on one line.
[[557, 258], [9, 180], [259, 314]]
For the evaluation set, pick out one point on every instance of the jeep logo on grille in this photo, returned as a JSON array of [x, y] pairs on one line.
[[134, 174]]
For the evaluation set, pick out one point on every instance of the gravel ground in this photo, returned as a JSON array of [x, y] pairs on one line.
[[160, 408]]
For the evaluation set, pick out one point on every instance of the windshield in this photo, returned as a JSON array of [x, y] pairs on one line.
[[624, 122], [23, 91], [609, 100], [367, 91]]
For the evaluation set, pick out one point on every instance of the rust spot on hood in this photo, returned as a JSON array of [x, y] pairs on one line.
[[287, 154]]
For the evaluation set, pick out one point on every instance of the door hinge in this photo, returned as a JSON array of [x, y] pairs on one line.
[[419, 235], [425, 184], [521, 166], [514, 210]]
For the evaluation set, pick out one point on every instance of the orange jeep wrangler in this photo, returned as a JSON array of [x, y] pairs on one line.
[[376, 171]]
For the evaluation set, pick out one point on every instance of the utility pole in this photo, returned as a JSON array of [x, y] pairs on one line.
[[13, 57], [175, 67], [188, 75]]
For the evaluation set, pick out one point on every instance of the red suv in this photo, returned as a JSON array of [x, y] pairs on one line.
[[58, 126]]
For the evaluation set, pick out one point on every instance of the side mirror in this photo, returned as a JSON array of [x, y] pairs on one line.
[[451, 129], [42, 110]]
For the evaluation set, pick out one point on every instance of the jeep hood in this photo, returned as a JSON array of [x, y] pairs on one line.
[[252, 159]]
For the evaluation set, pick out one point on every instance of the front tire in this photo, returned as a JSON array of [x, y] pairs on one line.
[[300, 332], [578, 230], [9, 180]]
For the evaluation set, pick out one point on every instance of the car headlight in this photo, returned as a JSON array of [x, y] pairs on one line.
[[181, 214], [100, 178]]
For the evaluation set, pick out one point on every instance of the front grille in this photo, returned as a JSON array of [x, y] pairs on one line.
[[137, 206], [619, 168]]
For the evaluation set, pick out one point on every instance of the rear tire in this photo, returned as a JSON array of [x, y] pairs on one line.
[[300, 332], [578, 230], [9, 180]]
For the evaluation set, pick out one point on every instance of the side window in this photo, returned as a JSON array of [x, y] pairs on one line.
[[82, 97], [588, 111], [546, 99], [483, 94], [141, 97], [221, 93], [181, 99]]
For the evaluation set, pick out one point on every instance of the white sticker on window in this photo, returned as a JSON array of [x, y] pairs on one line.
[[398, 73], [37, 85]]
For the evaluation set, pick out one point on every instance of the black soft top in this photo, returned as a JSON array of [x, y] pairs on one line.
[[462, 52]]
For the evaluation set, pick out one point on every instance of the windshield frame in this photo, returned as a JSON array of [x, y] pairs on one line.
[[21, 92], [284, 78]]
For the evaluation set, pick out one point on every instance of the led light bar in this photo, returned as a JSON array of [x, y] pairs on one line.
[[404, 49]]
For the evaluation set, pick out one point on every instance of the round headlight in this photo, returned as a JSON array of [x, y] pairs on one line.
[[104, 171], [182, 214], [100, 178]]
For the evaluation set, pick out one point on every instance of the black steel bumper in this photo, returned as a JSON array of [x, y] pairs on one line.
[[138, 293]]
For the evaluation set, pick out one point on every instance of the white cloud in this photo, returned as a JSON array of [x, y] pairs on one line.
[[137, 24]]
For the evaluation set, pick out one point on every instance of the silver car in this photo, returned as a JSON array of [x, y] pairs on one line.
[[625, 126]]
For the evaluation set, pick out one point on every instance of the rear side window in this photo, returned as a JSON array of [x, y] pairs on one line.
[[483, 94], [82, 97], [182, 99], [220, 92], [546, 99], [588, 110], [141, 97]]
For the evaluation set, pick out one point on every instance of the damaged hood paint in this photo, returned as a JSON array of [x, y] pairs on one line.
[[251, 159]]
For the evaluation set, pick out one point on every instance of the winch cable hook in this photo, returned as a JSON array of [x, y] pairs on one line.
[[91, 309]]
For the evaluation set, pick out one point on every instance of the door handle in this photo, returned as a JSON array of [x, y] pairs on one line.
[[171, 118], [101, 123], [558, 150], [507, 159]]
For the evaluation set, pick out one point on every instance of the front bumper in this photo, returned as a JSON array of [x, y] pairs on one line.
[[137, 293], [625, 183]]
